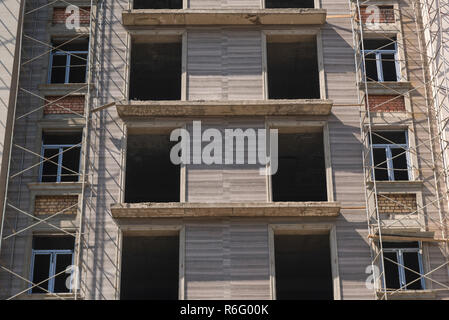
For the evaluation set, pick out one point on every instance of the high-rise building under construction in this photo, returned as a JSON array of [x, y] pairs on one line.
[[224, 149]]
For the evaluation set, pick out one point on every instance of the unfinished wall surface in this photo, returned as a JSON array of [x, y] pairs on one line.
[[224, 64]]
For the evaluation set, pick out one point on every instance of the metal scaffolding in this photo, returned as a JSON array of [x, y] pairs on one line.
[[421, 63], [17, 223]]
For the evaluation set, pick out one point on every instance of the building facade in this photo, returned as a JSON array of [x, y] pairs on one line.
[[355, 207]]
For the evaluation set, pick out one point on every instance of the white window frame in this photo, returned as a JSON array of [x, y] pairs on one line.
[[52, 270], [389, 157], [379, 67], [68, 55], [60, 148], [400, 260]]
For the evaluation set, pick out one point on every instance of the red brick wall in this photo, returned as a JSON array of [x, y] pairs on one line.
[[386, 14], [60, 16], [54, 204], [399, 203], [377, 103], [73, 103]]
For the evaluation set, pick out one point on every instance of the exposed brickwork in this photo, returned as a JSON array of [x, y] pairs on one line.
[[54, 204], [398, 204], [386, 14], [377, 103], [73, 103], [60, 16]]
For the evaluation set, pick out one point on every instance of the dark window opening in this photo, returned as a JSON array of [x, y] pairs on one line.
[[303, 267], [158, 4], [69, 62], [62, 151], [150, 268], [301, 174], [289, 4], [150, 174], [403, 266], [380, 59], [293, 70], [51, 256], [156, 71]]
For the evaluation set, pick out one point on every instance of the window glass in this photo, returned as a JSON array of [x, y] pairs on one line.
[[63, 261], [58, 68], [380, 164], [399, 159], [78, 65], [391, 270], [371, 67], [411, 261], [70, 164], [50, 169], [389, 67], [41, 271]]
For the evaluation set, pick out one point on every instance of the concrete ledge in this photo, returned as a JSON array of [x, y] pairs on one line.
[[409, 295], [62, 4], [396, 186], [60, 30], [188, 210], [224, 108], [195, 17], [61, 89], [408, 234], [55, 188], [47, 296], [387, 87]]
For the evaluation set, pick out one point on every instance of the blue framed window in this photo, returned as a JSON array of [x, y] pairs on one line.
[[61, 157], [68, 63], [391, 155], [381, 60], [403, 266], [51, 258]]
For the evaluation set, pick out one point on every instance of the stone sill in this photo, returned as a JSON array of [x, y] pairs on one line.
[[407, 234], [62, 89], [132, 109], [79, 3], [56, 120], [47, 296], [387, 87], [409, 224], [384, 186], [56, 188], [196, 17], [409, 295], [191, 210], [60, 30], [381, 27]]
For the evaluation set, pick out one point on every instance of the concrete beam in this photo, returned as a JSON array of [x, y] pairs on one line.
[[187, 210], [195, 17], [387, 87], [133, 109]]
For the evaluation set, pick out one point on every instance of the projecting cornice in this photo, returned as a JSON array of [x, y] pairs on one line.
[[197, 17], [192, 210], [136, 109]]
